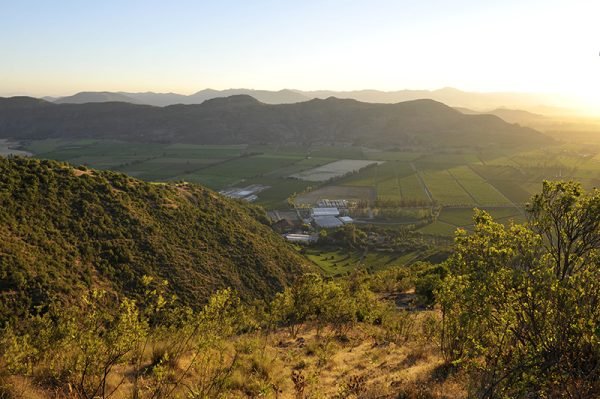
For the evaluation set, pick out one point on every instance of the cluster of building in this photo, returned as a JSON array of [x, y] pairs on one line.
[[329, 217], [327, 214]]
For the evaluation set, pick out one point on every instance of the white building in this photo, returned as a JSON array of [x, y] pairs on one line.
[[346, 219], [300, 238]]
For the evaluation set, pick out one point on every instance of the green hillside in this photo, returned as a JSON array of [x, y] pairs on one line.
[[65, 230]]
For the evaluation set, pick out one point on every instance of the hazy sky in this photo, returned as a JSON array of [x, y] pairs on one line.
[[63, 46]]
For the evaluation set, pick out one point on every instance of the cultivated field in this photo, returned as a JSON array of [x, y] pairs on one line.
[[495, 179]]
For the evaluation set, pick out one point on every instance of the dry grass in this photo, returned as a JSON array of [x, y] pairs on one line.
[[362, 365], [377, 368], [79, 172]]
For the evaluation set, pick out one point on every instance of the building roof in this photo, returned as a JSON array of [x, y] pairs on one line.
[[337, 203], [300, 237], [346, 219], [316, 212], [328, 221]]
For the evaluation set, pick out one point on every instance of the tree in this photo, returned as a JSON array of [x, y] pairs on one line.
[[311, 299], [103, 342], [570, 223], [521, 305], [298, 303]]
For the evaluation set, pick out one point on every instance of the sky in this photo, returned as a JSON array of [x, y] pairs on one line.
[[64, 46]]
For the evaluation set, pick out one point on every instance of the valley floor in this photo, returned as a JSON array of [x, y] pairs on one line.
[[500, 180]]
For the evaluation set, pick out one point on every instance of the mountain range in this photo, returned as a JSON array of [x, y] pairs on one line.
[[242, 119], [456, 98], [166, 99]]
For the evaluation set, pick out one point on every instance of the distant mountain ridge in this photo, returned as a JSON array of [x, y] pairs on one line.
[[166, 99], [450, 96], [242, 119], [509, 115], [96, 97]]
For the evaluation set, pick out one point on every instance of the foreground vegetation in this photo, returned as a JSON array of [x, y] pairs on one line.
[[317, 338], [514, 313]]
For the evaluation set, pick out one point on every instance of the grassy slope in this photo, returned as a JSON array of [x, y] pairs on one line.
[[64, 230]]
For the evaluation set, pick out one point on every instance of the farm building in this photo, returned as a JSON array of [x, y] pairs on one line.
[[346, 219], [327, 222], [327, 203], [319, 212], [301, 238]]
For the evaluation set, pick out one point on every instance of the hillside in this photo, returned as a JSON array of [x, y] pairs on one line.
[[242, 119], [64, 230]]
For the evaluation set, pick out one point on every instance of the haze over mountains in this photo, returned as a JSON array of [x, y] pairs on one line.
[[450, 96], [242, 119], [510, 115], [165, 99]]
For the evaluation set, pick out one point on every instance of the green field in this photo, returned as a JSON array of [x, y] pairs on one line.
[[452, 218], [439, 228], [393, 180], [462, 217], [392, 155], [251, 166], [412, 189], [445, 188], [479, 189]]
